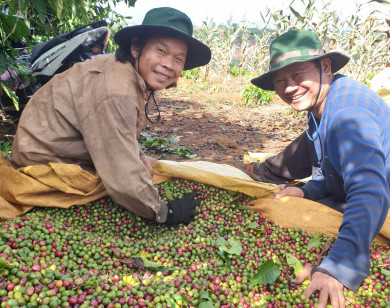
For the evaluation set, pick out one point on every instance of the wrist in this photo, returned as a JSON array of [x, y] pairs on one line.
[[318, 269], [163, 213], [305, 193]]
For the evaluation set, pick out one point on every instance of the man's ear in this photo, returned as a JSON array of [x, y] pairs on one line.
[[326, 64], [134, 47]]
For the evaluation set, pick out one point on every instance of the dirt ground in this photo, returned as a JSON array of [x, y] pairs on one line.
[[217, 126]]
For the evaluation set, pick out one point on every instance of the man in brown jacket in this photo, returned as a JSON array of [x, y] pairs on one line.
[[92, 114]]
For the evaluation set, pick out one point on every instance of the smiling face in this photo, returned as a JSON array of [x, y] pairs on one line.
[[162, 61], [298, 85]]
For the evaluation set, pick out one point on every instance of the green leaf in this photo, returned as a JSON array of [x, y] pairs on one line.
[[3, 63], [224, 257], [235, 247], [171, 301], [21, 31], [174, 139], [204, 294], [23, 4], [150, 264], [220, 241], [231, 246], [58, 7], [11, 94], [315, 241], [164, 141], [180, 297], [385, 272], [294, 263], [5, 148], [40, 7], [267, 273], [253, 225], [190, 156], [206, 304], [6, 23], [142, 262], [14, 27], [146, 135]]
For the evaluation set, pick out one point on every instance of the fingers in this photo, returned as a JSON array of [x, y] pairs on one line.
[[336, 300], [323, 299], [192, 203], [148, 162], [279, 195], [304, 275], [289, 191], [191, 196], [329, 289], [152, 161]]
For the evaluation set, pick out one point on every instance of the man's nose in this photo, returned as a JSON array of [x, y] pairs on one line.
[[290, 85], [167, 62]]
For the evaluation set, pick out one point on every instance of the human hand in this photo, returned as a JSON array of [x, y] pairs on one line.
[[288, 191], [148, 162], [182, 210], [329, 288]]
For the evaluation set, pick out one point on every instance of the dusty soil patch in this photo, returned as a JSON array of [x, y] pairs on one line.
[[219, 128]]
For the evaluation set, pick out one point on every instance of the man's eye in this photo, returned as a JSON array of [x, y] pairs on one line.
[[179, 60], [162, 51], [296, 75]]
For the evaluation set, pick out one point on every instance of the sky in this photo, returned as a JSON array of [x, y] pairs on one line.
[[239, 10]]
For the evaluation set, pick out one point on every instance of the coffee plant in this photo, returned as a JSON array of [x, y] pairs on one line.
[[162, 146], [5, 148], [100, 255], [192, 74], [254, 96]]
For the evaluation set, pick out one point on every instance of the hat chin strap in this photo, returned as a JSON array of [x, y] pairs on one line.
[[151, 95], [311, 116]]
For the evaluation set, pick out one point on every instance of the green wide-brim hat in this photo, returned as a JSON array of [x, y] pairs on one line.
[[166, 21], [296, 46]]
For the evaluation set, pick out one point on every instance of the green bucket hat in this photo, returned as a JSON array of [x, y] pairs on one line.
[[296, 46], [166, 21]]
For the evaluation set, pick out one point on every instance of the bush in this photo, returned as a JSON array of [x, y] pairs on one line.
[[5, 148], [254, 96], [192, 74]]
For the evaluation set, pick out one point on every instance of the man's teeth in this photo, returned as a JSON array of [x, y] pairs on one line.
[[162, 76], [297, 97]]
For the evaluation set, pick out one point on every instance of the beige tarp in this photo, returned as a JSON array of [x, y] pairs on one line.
[[288, 212], [55, 185], [63, 185]]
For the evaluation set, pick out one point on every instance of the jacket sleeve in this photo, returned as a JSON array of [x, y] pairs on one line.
[[316, 189], [354, 142], [109, 129], [296, 161]]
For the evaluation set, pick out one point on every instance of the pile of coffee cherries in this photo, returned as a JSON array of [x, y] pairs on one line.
[[100, 255]]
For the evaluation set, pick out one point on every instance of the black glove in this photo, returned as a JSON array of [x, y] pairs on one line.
[[182, 210]]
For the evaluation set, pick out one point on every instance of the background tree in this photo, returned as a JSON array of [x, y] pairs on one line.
[[47, 18]]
